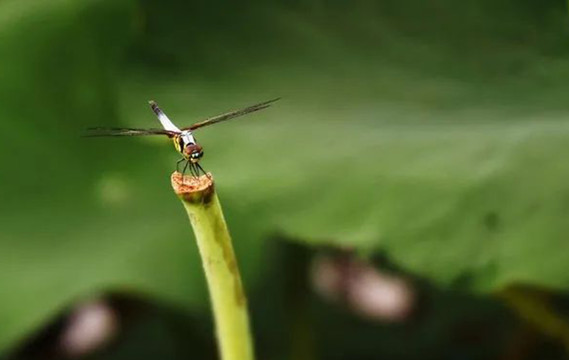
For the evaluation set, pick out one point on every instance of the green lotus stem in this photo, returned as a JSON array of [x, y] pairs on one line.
[[220, 265]]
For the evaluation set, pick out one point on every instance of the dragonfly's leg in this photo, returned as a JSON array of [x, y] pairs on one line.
[[201, 168], [178, 164], [191, 167], [195, 172], [184, 171]]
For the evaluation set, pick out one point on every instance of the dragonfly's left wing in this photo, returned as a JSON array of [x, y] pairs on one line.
[[101, 131], [231, 115]]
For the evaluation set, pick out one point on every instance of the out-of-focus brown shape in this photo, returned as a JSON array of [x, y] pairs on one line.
[[364, 289], [91, 326]]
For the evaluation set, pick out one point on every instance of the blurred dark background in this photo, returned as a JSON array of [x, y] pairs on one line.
[[407, 198]]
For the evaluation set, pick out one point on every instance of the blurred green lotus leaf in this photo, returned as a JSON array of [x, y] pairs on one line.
[[434, 133]]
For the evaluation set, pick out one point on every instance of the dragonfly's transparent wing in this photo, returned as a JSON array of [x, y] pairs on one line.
[[231, 115], [102, 131], [164, 120]]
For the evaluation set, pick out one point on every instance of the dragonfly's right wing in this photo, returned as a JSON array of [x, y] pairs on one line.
[[231, 115], [101, 131]]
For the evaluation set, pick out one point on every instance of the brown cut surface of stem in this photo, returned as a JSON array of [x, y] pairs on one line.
[[183, 184], [193, 189]]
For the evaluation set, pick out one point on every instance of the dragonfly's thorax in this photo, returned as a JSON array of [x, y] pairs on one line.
[[186, 145], [182, 140], [187, 137]]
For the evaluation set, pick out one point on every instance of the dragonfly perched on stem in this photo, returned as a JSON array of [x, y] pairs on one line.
[[184, 140]]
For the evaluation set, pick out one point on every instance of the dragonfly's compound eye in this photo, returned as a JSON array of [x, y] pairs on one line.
[[193, 152]]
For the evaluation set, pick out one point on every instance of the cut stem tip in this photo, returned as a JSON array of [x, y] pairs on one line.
[[191, 188]]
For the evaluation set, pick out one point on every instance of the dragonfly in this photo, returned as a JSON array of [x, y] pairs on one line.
[[183, 138]]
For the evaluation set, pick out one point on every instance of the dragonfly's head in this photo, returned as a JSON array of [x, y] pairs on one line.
[[193, 152]]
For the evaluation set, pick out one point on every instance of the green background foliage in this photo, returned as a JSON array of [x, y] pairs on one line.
[[433, 132]]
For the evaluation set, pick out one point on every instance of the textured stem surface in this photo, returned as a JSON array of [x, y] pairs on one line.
[[220, 265]]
